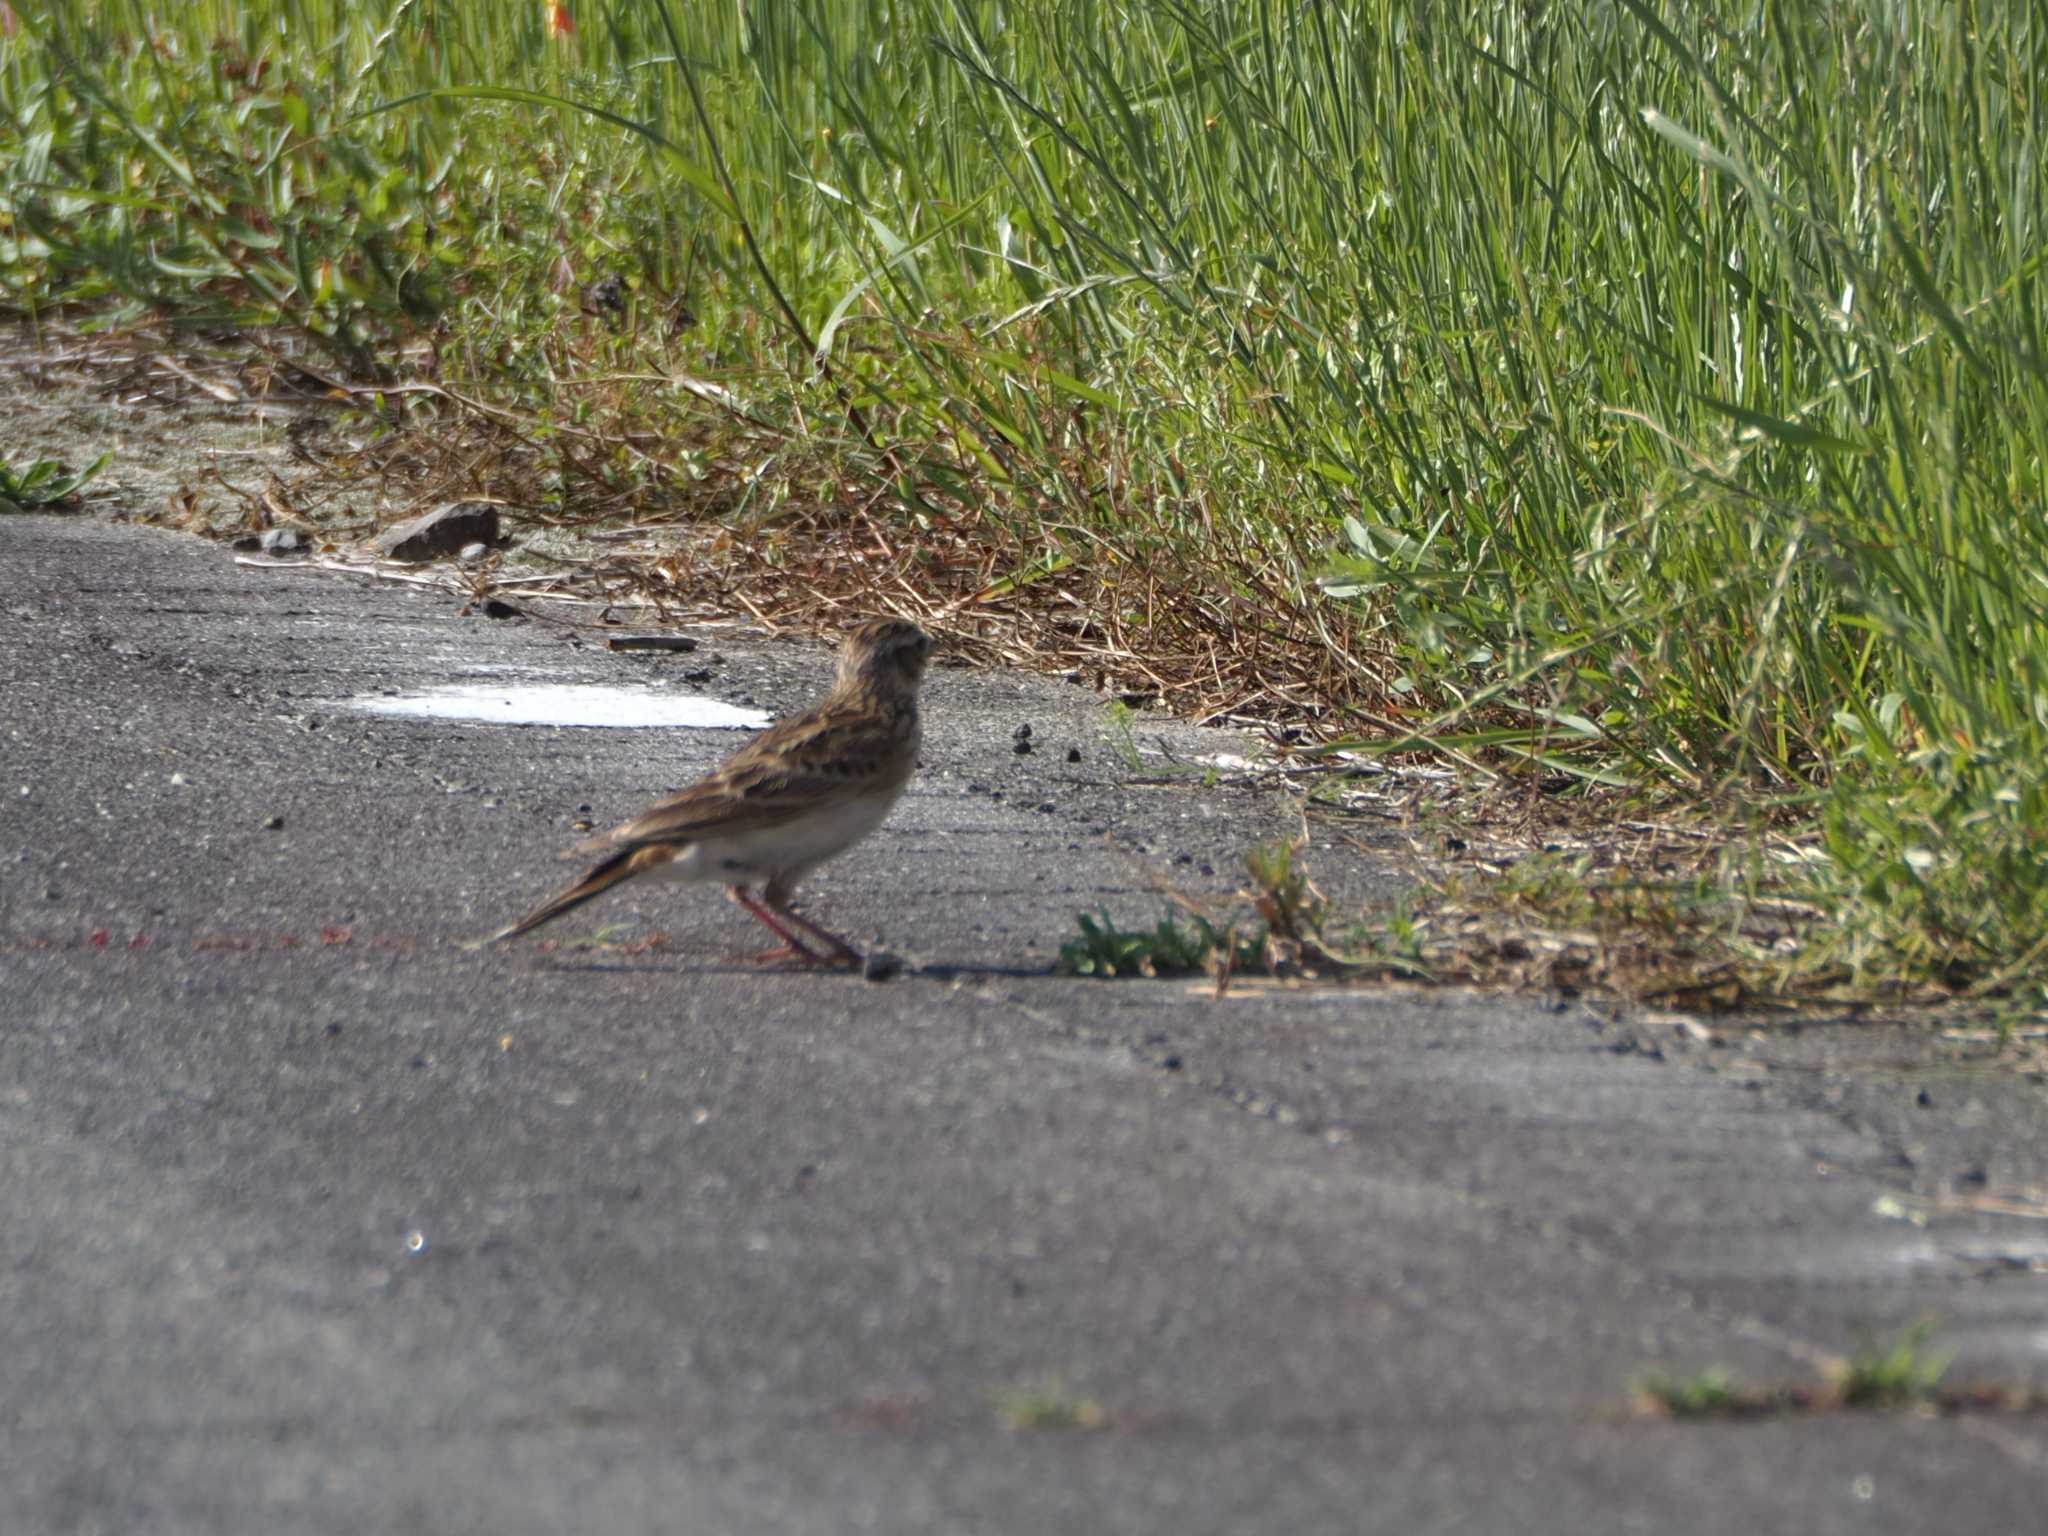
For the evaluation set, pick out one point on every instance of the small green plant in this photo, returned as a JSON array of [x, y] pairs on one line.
[[46, 483], [1123, 739], [1170, 949], [1288, 936], [1399, 942], [1892, 1377], [1048, 1408], [1700, 1395]]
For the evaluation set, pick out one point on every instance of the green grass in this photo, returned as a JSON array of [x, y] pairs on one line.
[[1640, 395], [1705, 1394], [1883, 1378], [1048, 1407], [1898, 1374], [45, 484], [1174, 947]]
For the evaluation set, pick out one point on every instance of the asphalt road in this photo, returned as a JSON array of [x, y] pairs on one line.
[[313, 1221]]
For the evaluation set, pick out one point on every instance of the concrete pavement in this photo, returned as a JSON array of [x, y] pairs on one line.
[[311, 1220]]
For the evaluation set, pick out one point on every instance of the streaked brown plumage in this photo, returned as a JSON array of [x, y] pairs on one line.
[[807, 788]]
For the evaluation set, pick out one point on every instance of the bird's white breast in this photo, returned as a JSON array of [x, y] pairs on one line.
[[788, 849]]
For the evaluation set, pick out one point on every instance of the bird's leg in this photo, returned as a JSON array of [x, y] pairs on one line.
[[775, 899], [793, 948]]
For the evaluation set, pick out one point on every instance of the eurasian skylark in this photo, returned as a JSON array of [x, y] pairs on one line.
[[805, 789]]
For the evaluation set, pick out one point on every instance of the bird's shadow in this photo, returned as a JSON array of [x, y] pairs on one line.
[[678, 965]]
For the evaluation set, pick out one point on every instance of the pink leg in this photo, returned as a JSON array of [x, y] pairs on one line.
[[775, 898], [843, 953], [792, 948]]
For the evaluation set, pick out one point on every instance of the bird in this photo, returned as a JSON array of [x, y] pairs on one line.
[[804, 790]]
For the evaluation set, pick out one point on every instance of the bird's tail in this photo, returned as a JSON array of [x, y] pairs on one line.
[[623, 865]]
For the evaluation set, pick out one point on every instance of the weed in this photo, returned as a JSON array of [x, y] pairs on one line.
[[1903, 1374], [45, 484], [1123, 738], [1169, 949], [1702, 1395], [1895, 1375], [1048, 1408]]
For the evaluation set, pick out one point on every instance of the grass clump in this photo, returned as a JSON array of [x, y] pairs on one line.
[[1173, 947], [1050, 1408], [1705, 1394], [45, 484], [1882, 1378], [1648, 399], [1896, 1375], [1286, 939]]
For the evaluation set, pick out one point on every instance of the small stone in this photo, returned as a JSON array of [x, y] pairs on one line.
[[273, 823], [498, 608], [281, 541], [1022, 733], [1021, 746], [1073, 754], [880, 965], [469, 554], [446, 530]]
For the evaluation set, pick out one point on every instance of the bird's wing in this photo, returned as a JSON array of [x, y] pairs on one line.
[[779, 775]]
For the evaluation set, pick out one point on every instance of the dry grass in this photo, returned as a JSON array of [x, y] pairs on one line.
[[715, 511]]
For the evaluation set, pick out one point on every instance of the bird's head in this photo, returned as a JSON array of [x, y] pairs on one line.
[[884, 655]]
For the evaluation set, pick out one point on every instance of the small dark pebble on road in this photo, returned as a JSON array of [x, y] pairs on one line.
[[881, 966]]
